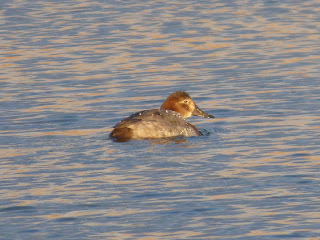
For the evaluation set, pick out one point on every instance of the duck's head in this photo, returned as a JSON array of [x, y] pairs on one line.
[[182, 103]]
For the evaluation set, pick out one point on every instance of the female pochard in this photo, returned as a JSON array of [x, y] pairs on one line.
[[168, 121]]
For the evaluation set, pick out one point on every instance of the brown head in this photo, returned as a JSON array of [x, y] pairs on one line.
[[182, 103]]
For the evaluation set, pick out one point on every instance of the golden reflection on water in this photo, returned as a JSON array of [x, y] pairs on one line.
[[63, 63]]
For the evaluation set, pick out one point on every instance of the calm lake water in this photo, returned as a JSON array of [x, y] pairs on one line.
[[70, 70]]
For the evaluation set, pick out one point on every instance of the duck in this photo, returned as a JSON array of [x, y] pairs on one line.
[[166, 122]]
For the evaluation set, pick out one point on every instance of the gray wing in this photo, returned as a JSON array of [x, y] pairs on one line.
[[160, 116], [157, 123]]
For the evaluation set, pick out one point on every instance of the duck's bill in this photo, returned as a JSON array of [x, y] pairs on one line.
[[198, 112]]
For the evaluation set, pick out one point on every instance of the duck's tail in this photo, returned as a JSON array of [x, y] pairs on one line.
[[122, 134]]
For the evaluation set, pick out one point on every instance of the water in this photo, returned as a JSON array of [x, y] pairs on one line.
[[70, 70]]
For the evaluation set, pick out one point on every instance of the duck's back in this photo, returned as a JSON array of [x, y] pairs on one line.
[[155, 123]]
